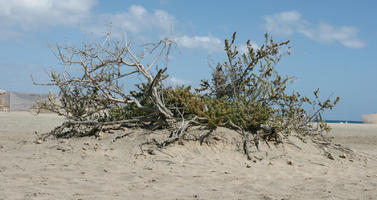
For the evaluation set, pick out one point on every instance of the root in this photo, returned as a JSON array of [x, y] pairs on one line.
[[204, 136], [121, 136], [329, 148], [245, 139], [179, 133], [89, 128], [245, 146], [324, 142]]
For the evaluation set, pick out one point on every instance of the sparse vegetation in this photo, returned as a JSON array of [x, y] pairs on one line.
[[245, 93]]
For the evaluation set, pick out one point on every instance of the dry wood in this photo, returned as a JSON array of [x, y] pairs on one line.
[[179, 132], [86, 97]]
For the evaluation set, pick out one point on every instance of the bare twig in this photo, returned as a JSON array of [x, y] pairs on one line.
[[86, 97]]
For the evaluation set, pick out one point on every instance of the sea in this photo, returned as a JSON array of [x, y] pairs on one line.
[[344, 121]]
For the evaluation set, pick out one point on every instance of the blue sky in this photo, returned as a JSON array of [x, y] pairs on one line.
[[334, 43]]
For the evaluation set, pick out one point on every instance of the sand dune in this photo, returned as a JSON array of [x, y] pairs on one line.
[[370, 118], [88, 168]]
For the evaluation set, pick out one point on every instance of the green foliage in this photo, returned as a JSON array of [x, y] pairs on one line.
[[218, 111], [245, 90], [75, 101], [130, 111]]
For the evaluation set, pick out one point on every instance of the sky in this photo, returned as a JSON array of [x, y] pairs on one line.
[[334, 43]]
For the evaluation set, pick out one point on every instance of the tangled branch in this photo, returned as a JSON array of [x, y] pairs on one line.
[[246, 93]]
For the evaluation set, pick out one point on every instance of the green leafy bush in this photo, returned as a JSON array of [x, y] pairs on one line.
[[245, 92]]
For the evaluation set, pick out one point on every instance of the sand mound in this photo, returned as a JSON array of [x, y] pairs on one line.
[[370, 118], [97, 168]]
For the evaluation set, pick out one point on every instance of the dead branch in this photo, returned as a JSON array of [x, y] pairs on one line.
[[121, 136], [179, 133], [204, 136], [94, 77], [245, 139], [87, 96], [246, 146]]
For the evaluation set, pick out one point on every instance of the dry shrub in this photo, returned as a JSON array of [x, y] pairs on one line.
[[245, 93]]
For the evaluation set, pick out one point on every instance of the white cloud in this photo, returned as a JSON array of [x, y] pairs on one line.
[[210, 43], [20, 16], [284, 23], [9, 34], [177, 81], [346, 35], [291, 22], [244, 48], [137, 19], [33, 14]]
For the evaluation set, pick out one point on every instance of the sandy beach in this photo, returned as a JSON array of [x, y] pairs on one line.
[[97, 168]]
